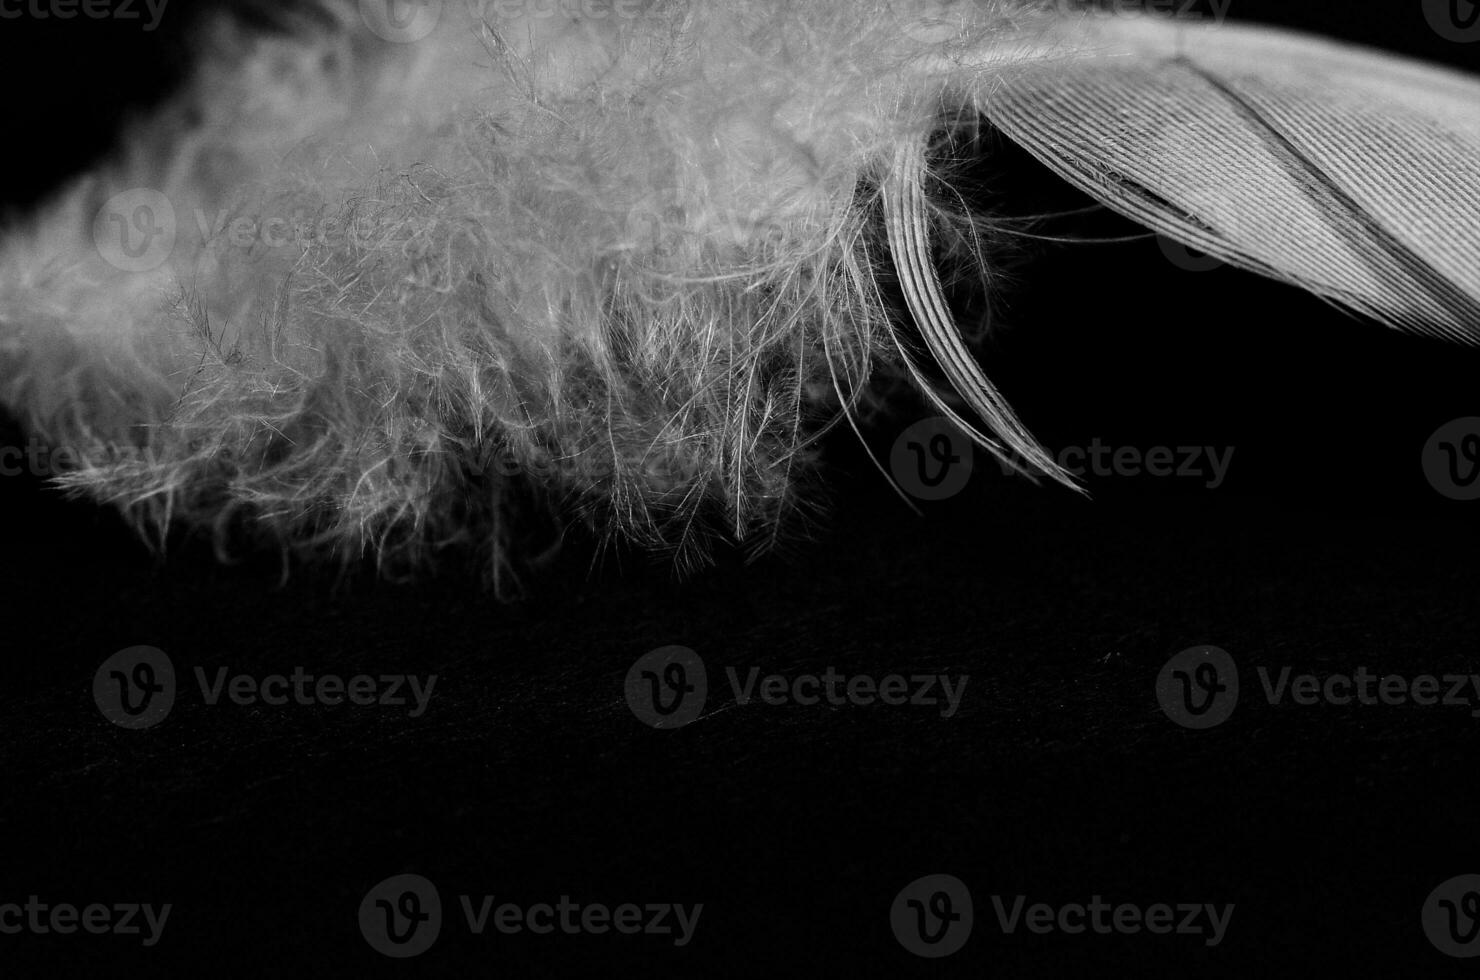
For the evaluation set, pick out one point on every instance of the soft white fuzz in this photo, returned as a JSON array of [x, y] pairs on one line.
[[622, 269]]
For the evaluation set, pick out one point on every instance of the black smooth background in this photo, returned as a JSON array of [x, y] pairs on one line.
[[1060, 778]]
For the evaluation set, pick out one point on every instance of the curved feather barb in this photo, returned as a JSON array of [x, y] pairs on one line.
[[374, 286], [909, 244]]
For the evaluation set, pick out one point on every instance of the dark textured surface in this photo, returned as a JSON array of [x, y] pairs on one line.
[[529, 777], [1060, 778]]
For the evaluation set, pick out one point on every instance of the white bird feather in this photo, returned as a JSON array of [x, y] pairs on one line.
[[627, 268]]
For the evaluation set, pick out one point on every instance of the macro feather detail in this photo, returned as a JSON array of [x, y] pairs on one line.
[[414, 296]]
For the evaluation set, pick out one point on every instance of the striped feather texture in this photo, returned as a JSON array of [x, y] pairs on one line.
[[1344, 171]]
